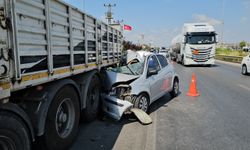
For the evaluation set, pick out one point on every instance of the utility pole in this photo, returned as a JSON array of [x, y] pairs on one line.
[[109, 14], [223, 22], [142, 39]]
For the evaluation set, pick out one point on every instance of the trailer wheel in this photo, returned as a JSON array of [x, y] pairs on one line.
[[13, 133], [93, 100], [62, 120]]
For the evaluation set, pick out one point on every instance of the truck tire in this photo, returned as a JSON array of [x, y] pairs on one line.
[[182, 60], [93, 100], [13, 133], [62, 120]]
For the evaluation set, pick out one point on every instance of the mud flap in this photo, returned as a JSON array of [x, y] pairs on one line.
[[143, 117]]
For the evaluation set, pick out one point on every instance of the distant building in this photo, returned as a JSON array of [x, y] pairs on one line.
[[232, 46]]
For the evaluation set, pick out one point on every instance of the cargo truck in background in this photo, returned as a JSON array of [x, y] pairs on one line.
[[195, 45], [51, 61]]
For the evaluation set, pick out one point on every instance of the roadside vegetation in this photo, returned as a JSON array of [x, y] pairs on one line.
[[229, 52], [229, 55]]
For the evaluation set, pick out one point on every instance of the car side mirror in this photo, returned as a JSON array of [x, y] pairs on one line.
[[152, 72]]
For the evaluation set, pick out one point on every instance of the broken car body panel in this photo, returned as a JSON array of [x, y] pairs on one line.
[[115, 107]]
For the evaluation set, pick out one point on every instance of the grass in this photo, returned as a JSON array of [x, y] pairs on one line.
[[230, 55], [228, 52]]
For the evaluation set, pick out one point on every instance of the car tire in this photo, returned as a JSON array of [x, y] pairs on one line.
[[182, 60], [62, 120], [175, 88], [142, 102], [14, 134], [244, 70], [93, 101]]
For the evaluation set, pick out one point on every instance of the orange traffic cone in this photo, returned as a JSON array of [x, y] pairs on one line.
[[192, 89]]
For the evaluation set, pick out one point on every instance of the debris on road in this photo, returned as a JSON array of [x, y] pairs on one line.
[[143, 117]]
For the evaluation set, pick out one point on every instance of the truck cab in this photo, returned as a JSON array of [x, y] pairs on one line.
[[197, 46]]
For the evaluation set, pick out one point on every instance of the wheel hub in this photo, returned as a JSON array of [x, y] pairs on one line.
[[176, 88], [143, 104], [65, 118]]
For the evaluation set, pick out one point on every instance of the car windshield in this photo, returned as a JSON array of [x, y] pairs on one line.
[[200, 39], [130, 69]]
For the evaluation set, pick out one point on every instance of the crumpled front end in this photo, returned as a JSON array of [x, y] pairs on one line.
[[117, 100], [115, 107]]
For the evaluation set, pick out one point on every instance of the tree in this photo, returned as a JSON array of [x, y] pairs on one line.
[[242, 44], [129, 45]]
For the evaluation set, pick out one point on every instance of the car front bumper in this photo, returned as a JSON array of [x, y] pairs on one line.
[[115, 107]]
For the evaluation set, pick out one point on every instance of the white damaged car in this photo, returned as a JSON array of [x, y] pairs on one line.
[[138, 84]]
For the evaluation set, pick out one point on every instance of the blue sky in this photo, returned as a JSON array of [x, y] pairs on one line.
[[161, 20]]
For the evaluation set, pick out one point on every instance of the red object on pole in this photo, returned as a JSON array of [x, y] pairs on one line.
[[127, 27]]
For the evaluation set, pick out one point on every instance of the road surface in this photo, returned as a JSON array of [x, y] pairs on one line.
[[218, 119]]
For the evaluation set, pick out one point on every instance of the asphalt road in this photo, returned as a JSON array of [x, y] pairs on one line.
[[218, 119]]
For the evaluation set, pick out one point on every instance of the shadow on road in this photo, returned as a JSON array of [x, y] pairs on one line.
[[202, 66], [162, 102], [100, 134], [103, 133]]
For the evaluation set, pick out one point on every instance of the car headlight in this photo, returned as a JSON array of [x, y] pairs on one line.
[[113, 91], [120, 91]]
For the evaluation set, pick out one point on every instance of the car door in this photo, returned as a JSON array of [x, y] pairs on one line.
[[166, 74], [154, 81]]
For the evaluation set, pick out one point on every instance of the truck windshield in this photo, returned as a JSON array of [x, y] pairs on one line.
[[201, 39]]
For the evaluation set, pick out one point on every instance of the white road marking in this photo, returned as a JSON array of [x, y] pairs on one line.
[[244, 87]]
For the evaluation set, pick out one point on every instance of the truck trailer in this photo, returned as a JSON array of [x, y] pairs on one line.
[[51, 60], [195, 45]]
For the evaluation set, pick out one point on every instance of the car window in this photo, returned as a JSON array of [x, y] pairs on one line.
[[153, 63], [163, 61]]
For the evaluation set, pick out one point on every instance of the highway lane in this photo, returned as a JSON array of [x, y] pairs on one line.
[[218, 119]]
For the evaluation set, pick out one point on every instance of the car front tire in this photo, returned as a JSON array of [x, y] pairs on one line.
[[142, 102], [244, 70]]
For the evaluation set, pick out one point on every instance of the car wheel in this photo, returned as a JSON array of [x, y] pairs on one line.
[[182, 60], [142, 102], [13, 133], [62, 120], [244, 70], [175, 89]]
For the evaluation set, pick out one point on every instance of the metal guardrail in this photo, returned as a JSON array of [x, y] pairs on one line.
[[235, 59]]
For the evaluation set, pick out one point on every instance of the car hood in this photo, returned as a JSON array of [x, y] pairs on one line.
[[114, 78]]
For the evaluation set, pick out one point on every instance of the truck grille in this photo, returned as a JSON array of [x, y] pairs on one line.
[[201, 55]]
